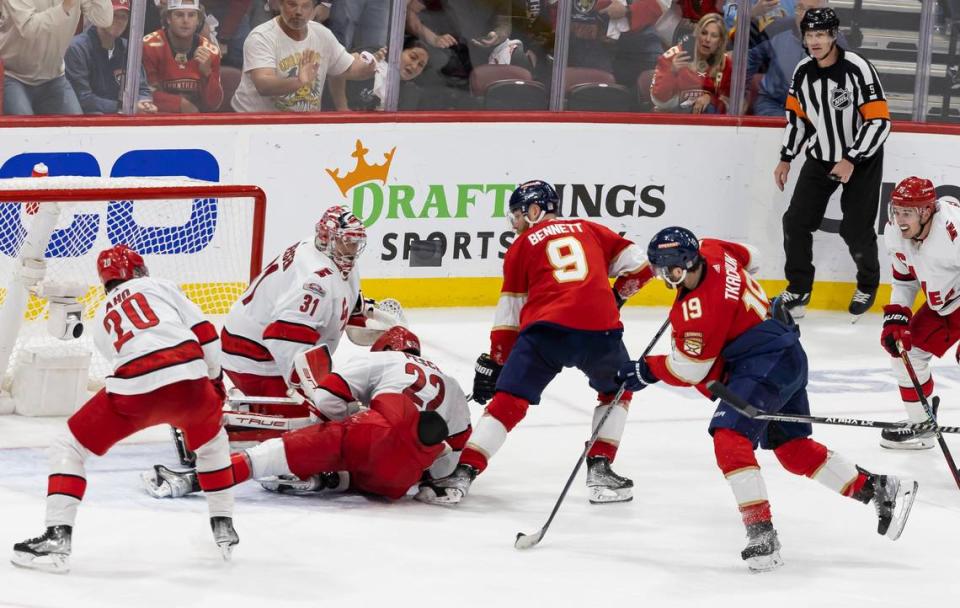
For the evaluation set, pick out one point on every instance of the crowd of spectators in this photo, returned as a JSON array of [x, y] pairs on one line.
[[69, 56]]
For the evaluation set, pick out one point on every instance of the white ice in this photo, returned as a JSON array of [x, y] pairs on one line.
[[677, 544]]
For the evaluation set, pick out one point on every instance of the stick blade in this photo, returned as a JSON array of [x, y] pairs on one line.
[[527, 541]]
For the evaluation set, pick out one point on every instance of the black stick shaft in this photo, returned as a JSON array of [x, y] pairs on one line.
[[738, 403], [596, 433]]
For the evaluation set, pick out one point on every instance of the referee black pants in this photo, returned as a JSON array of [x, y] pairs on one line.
[[858, 204]]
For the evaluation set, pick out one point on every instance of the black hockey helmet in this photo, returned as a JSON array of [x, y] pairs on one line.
[[536, 191], [820, 19], [673, 247]]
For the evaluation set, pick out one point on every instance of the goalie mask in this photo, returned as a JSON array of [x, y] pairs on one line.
[[340, 235], [398, 338], [120, 263]]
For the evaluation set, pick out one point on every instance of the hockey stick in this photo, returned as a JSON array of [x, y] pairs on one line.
[[926, 407], [738, 403], [526, 541]]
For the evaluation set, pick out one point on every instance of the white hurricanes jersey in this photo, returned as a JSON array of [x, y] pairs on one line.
[[153, 335], [932, 265], [367, 376], [298, 301]]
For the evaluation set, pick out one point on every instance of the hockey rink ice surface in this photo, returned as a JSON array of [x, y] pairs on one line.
[[677, 544]]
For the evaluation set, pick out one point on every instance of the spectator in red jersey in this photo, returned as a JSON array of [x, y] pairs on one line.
[[96, 62], [183, 66], [34, 37], [694, 76]]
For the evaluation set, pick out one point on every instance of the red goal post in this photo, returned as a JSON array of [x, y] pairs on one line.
[[207, 237]]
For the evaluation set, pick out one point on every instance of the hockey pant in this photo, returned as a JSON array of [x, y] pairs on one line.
[[379, 447], [192, 406]]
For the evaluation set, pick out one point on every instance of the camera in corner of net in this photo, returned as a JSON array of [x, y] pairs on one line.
[[64, 310]]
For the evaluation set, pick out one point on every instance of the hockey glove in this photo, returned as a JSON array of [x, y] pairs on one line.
[[896, 328], [636, 375], [485, 377]]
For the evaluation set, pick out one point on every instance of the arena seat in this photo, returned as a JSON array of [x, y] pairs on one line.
[[229, 81], [483, 76], [516, 95], [599, 97], [578, 76]]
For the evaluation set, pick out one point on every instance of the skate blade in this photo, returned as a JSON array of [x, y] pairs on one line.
[[854, 319], [600, 495], [798, 313], [765, 563], [57, 564], [450, 498], [226, 550], [906, 495]]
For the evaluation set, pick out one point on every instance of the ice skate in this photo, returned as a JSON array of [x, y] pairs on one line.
[[892, 497], [162, 482], [861, 302], [332, 482], [907, 439], [50, 552], [224, 535], [604, 485], [762, 552], [910, 439], [448, 490], [795, 303]]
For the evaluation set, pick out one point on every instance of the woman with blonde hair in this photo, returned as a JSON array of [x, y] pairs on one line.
[[694, 76]]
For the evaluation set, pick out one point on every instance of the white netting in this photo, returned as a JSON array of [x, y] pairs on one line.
[[205, 243]]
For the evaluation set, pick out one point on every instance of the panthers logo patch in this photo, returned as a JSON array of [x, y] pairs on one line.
[[693, 343]]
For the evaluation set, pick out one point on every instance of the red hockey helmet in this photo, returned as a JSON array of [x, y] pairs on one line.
[[397, 338], [916, 192], [120, 263], [341, 236]]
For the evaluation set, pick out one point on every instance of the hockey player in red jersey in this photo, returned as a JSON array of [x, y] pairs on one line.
[[921, 238], [166, 370], [722, 329], [417, 420], [555, 311]]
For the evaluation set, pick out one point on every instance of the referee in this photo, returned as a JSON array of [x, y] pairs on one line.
[[836, 108]]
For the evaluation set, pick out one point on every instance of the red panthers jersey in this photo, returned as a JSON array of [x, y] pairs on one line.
[[558, 272], [726, 303]]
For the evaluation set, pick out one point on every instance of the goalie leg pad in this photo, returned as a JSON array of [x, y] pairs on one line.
[[268, 459]]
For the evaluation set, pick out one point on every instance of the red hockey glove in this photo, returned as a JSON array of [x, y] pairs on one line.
[[896, 328]]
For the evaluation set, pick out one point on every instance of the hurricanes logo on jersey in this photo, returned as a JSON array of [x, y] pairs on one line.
[[840, 98]]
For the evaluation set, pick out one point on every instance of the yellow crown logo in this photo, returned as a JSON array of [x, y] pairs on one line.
[[363, 172]]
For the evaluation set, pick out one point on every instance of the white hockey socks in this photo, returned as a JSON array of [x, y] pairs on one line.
[[68, 480], [215, 474]]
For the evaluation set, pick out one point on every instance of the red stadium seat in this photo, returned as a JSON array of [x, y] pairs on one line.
[[483, 76], [229, 80]]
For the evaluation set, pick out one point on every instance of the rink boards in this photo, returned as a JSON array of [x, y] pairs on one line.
[[433, 194]]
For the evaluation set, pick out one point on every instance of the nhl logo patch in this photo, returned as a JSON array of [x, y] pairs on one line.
[[693, 343], [841, 98]]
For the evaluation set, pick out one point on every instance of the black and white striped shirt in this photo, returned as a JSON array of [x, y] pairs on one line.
[[839, 111]]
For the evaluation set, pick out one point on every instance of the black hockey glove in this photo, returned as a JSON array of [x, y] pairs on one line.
[[485, 377], [636, 375]]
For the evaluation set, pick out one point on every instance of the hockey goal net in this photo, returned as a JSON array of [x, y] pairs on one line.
[[206, 237]]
